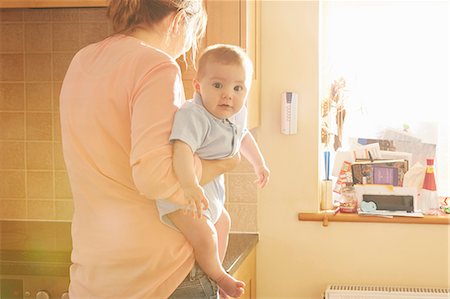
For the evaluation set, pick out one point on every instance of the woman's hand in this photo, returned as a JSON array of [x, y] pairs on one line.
[[213, 168]]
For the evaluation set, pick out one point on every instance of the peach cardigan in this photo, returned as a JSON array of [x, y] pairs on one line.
[[118, 101]]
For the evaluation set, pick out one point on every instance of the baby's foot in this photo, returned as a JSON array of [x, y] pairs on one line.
[[231, 286]]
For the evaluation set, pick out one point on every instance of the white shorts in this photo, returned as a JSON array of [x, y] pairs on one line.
[[214, 192]]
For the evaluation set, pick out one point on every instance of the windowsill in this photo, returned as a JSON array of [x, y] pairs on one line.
[[350, 217]]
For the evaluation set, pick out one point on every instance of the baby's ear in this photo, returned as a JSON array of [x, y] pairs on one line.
[[196, 85]]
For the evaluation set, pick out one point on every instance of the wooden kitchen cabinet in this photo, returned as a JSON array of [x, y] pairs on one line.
[[233, 22], [247, 273], [51, 3]]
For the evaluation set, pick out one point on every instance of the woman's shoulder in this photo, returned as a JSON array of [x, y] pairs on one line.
[[123, 53], [148, 55], [138, 53]]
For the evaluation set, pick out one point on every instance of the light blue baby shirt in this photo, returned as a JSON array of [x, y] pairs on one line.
[[211, 138]]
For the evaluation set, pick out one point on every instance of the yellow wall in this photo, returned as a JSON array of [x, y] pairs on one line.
[[298, 259]]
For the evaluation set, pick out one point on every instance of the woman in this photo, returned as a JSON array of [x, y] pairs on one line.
[[118, 100]]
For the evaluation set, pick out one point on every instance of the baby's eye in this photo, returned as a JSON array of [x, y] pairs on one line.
[[238, 88], [217, 85]]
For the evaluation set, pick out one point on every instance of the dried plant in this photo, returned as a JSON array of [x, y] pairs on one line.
[[335, 99]]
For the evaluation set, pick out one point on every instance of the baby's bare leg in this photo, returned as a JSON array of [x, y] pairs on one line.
[[222, 226], [223, 230], [202, 235]]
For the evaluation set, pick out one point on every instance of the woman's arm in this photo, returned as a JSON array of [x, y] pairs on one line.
[[152, 111], [213, 168]]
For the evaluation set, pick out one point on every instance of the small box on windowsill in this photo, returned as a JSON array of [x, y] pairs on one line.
[[384, 172]]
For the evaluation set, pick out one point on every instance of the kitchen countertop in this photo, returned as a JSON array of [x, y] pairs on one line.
[[239, 247], [43, 248]]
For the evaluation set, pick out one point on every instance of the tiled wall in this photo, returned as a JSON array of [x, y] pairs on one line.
[[241, 200], [36, 46]]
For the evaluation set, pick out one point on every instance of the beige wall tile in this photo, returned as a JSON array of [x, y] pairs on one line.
[[13, 209], [39, 126], [37, 15], [38, 67], [92, 14], [56, 92], [39, 96], [58, 157], [241, 188], [12, 184], [70, 15], [61, 62], [110, 28], [11, 15], [11, 67], [38, 37], [64, 209], [40, 184], [12, 155], [11, 37], [41, 209], [62, 186], [12, 96], [56, 127], [12, 125], [39, 155], [243, 217], [92, 32], [66, 36]]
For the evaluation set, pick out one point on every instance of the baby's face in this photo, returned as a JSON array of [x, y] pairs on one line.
[[223, 89]]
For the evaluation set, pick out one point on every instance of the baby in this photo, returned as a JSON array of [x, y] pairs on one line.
[[213, 126]]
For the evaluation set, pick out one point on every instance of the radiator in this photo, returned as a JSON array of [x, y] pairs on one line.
[[384, 292]]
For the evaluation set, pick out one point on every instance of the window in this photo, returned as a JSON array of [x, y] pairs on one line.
[[394, 57]]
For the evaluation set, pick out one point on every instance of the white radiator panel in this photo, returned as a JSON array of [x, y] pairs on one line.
[[384, 292]]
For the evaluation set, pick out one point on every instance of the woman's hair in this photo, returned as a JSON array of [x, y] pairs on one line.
[[225, 54], [126, 15]]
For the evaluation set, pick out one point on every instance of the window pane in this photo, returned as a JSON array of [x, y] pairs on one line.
[[394, 56]]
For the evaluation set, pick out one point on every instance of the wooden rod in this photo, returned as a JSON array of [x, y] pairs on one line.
[[342, 217]]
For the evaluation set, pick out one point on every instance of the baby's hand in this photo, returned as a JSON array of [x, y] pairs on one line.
[[262, 173], [196, 200]]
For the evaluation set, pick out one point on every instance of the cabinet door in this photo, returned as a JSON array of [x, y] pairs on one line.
[[223, 27], [250, 41], [237, 22], [224, 22], [247, 273], [233, 22]]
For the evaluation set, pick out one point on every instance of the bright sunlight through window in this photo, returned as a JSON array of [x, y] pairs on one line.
[[394, 57]]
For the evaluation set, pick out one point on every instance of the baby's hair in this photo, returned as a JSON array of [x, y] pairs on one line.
[[225, 54]]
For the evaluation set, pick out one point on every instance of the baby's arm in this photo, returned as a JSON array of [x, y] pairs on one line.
[[183, 164], [250, 150]]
